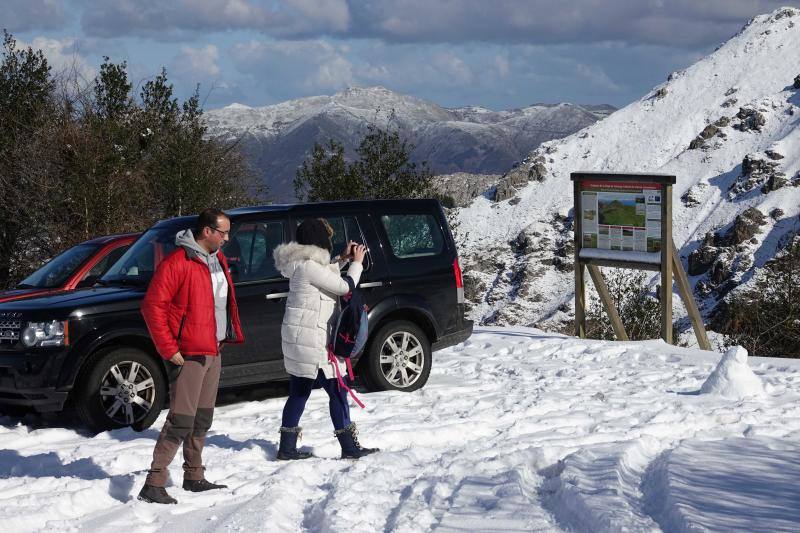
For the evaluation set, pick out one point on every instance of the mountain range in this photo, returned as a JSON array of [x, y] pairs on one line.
[[276, 139]]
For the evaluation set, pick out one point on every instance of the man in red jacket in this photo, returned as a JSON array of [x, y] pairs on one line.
[[190, 311]]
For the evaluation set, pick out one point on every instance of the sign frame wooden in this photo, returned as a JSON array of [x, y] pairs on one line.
[[669, 267]]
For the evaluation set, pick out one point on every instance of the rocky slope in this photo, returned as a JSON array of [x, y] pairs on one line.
[[727, 127]]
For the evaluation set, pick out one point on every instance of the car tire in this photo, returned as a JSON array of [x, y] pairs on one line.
[[388, 366], [107, 398]]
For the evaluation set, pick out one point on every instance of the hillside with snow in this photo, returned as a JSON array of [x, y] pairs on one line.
[[516, 430], [278, 138], [726, 127]]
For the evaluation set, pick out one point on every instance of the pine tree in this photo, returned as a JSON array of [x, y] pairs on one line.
[[383, 170], [26, 119]]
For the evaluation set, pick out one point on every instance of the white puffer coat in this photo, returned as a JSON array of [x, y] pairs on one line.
[[314, 287]]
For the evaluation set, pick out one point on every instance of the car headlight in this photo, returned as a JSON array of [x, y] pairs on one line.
[[53, 333]]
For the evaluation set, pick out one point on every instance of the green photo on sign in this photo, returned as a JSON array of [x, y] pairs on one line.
[[619, 211]]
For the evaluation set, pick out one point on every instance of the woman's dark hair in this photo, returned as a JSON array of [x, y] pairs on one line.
[[315, 231], [209, 218]]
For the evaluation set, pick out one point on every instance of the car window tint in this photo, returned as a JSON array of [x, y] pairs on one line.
[[413, 235], [249, 251], [58, 269], [345, 229], [339, 238], [105, 263]]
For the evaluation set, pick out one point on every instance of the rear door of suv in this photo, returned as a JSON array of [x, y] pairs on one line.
[[420, 257]]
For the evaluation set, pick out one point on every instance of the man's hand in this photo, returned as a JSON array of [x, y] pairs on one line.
[[177, 359]]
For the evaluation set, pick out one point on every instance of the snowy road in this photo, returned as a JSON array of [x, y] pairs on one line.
[[517, 430]]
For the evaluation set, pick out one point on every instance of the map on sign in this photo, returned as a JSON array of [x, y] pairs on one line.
[[621, 216]]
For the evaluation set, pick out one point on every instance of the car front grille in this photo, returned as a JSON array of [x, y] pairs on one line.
[[9, 330]]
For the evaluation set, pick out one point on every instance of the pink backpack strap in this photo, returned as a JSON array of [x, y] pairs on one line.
[[342, 385]]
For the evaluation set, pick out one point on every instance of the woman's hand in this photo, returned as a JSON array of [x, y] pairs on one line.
[[347, 253], [359, 251]]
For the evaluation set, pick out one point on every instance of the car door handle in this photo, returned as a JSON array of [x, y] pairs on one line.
[[277, 295], [370, 284]]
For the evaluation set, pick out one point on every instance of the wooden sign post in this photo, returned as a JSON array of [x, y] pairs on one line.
[[625, 221]]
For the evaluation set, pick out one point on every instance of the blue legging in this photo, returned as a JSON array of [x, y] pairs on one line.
[[300, 390]]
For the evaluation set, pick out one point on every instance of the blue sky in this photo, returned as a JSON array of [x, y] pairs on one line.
[[494, 53]]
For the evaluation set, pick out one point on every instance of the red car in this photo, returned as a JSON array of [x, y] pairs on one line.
[[79, 266]]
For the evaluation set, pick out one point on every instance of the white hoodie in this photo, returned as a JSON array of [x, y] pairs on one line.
[[314, 287]]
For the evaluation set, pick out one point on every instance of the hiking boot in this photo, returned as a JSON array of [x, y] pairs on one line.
[[200, 485], [287, 450], [348, 439], [153, 494]]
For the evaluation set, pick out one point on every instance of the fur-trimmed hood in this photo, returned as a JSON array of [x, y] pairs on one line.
[[289, 256]]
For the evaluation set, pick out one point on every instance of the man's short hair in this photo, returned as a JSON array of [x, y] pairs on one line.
[[208, 218]]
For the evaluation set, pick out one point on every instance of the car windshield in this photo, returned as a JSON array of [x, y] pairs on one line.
[[137, 265], [60, 268]]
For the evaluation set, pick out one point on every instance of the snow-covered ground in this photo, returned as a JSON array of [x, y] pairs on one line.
[[517, 430]]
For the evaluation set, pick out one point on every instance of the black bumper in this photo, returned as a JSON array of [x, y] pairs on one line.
[[42, 400], [29, 380], [453, 338]]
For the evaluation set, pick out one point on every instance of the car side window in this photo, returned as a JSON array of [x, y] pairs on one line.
[[105, 263], [345, 229], [249, 251], [413, 235]]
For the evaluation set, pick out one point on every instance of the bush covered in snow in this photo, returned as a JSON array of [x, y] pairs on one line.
[[637, 306], [766, 318]]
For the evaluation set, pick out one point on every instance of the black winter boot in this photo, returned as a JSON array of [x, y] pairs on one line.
[[201, 485], [288, 446], [153, 494], [351, 448]]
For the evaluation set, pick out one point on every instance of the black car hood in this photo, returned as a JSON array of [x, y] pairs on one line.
[[85, 301]]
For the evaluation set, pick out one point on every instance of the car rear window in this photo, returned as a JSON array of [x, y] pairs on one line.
[[416, 235]]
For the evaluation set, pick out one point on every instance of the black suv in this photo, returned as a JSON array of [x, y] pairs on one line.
[[92, 347]]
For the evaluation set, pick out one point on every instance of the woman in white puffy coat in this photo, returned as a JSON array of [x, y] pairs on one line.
[[315, 283]]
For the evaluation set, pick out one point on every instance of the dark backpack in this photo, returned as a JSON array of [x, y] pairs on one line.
[[350, 333]]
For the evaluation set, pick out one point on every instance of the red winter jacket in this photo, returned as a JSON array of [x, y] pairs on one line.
[[179, 307]]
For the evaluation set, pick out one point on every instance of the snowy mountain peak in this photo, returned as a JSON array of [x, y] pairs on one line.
[[726, 127], [237, 107], [277, 138]]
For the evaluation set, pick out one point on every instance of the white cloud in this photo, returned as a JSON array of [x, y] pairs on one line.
[[63, 56], [453, 67], [597, 77], [198, 63], [313, 67], [501, 65], [335, 74]]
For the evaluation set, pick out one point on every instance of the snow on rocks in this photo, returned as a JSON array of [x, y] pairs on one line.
[[516, 430], [733, 378], [653, 134]]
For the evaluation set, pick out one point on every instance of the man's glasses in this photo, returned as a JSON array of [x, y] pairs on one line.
[[223, 233]]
